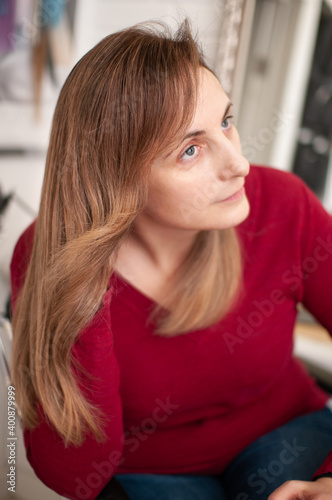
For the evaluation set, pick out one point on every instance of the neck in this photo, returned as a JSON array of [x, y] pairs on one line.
[[165, 246]]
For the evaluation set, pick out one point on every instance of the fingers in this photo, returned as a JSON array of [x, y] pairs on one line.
[[291, 490], [304, 490]]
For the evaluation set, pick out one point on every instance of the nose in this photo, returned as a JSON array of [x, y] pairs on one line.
[[230, 161]]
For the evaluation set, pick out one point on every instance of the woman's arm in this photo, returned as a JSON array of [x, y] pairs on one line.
[[316, 260], [79, 472], [316, 284], [82, 472]]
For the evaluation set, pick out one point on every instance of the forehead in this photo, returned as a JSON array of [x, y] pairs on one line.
[[208, 81], [211, 99]]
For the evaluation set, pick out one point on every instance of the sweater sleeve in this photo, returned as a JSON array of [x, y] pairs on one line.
[[316, 260], [79, 472], [316, 268]]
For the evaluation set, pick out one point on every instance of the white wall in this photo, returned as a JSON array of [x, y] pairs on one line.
[[96, 19]]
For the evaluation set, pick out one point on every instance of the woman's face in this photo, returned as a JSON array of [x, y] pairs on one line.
[[200, 184]]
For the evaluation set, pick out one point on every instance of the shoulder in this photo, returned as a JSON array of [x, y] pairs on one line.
[[268, 181], [272, 192], [23, 247], [283, 211], [280, 204]]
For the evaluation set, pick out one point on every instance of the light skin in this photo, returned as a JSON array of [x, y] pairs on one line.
[[189, 191], [321, 489]]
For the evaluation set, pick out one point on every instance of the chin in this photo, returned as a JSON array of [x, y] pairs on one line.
[[234, 216]]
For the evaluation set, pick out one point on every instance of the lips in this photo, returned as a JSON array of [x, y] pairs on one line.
[[235, 196]]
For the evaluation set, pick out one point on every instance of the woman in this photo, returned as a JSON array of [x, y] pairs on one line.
[[155, 296]]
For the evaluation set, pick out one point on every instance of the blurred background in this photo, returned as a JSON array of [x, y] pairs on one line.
[[273, 57]]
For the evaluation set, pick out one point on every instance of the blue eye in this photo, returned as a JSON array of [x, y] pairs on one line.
[[227, 122], [190, 151]]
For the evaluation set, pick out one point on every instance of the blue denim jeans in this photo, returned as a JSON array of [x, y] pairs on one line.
[[293, 451]]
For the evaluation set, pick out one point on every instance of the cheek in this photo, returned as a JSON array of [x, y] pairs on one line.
[[178, 200], [163, 196]]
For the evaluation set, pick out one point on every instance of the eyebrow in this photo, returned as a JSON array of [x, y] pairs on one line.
[[193, 134]]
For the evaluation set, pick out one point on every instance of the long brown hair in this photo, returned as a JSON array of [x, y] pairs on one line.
[[117, 111]]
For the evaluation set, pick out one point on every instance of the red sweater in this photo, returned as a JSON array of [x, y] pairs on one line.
[[190, 403]]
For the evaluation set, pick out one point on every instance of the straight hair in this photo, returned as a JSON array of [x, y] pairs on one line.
[[117, 111]]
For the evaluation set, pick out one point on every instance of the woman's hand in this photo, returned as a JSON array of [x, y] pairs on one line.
[[304, 490]]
